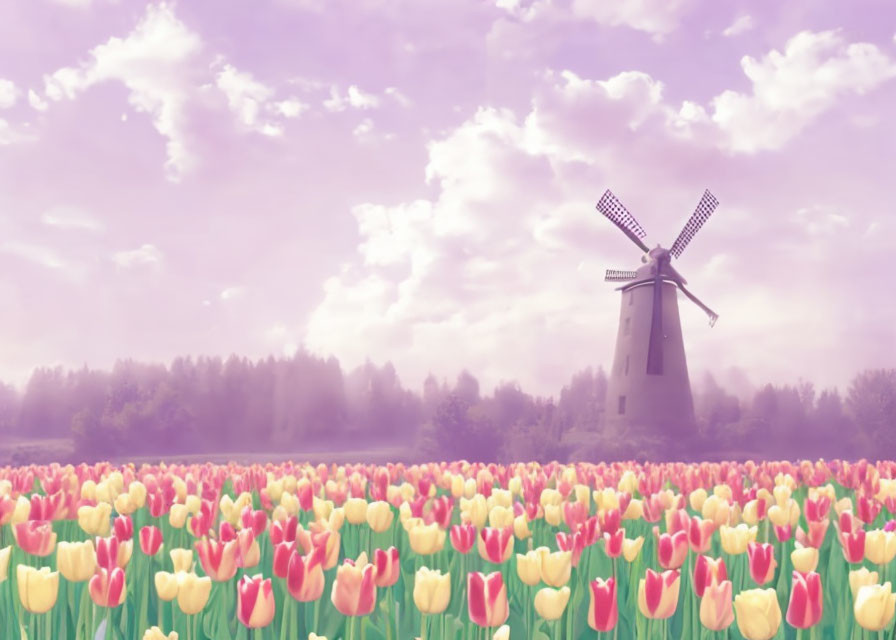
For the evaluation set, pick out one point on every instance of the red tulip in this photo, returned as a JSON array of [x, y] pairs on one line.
[[218, 558], [282, 553], [35, 537], [7, 507], [226, 532], [150, 540], [708, 571], [671, 550], [107, 588], [806, 600], [496, 545], [853, 545], [284, 531], [762, 562], [590, 530], [305, 575], [603, 611], [700, 534], [388, 568], [815, 535], [867, 508], [817, 510], [677, 520], [255, 520], [256, 601], [107, 552], [574, 514], [123, 528], [354, 591], [487, 599], [784, 533], [610, 519], [613, 547], [462, 537], [573, 542]]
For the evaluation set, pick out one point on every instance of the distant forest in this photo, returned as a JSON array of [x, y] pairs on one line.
[[305, 403]]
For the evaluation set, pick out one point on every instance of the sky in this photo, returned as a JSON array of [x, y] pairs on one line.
[[415, 181]]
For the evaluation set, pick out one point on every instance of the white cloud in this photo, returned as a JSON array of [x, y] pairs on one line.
[[398, 96], [354, 97], [35, 253], [656, 17], [364, 128], [290, 108], [36, 102], [792, 88], [9, 93], [231, 292], [147, 255], [741, 24], [247, 97], [71, 218], [152, 63]]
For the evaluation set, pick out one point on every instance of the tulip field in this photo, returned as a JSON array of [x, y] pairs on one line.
[[449, 551]]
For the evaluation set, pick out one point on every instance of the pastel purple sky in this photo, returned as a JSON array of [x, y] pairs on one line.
[[415, 180]]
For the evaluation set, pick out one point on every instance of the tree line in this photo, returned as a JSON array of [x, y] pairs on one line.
[[305, 403]]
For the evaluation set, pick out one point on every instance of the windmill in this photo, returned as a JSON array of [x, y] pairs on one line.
[[648, 386]]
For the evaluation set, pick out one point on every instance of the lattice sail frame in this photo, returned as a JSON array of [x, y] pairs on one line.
[[705, 207], [615, 211]]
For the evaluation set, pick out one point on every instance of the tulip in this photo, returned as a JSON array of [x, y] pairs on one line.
[[123, 527], [815, 535], [503, 633], [880, 546], [218, 559], [284, 531], [551, 603], [177, 515], [192, 592], [735, 539], [658, 593], [154, 633], [35, 537], [572, 542], [603, 610], [758, 614], [462, 537], [379, 516], [671, 550], [700, 534], [677, 520], [495, 545], [521, 527], [853, 545], [166, 585], [859, 578], [95, 520], [762, 562], [255, 607], [487, 599], [76, 561], [388, 568], [500, 517], [528, 568], [874, 606], [354, 591], [282, 553], [806, 600], [182, 559], [432, 590], [355, 510], [614, 543], [248, 549], [717, 510], [716, 611], [556, 567], [426, 539], [553, 514], [305, 575], [804, 559], [150, 540], [708, 571], [696, 498], [38, 589], [5, 553], [634, 510], [631, 548], [107, 588]]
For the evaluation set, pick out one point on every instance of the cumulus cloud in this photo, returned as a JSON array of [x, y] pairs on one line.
[[354, 97], [70, 218], [248, 98], [792, 88], [145, 255], [741, 24], [152, 62], [655, 17], [9, 93]]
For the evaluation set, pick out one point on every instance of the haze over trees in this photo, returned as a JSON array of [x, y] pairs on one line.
[[305, 404]]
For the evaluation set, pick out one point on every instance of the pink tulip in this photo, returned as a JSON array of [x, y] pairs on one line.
[[150, 540], [305, 575], [762, 562], [256, 607], [487, 599], [806, 600], [388, 567], [462, 537], [708, 571], [671, 550], [603, 610]]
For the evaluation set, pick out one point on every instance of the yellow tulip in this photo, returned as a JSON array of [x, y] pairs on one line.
[[874, 606], [735, 539], [38, 589], [426, 539], [550, 496], [805, 559], [137, 493], [88, 490], [355, 510], [432, 590], [843, 504], [634, 510], [154, 633], [500, 517], [696, 499], [723, 491], [124, 504], [95, 521], [314, 636], [556, 567], [858, 578], [177, 516], [182, 559], [499, 498], [474, 510], [166, 585], [503, 633], [192, 592], [583, 494], [782, 495], [551, 603], [786, 514], [193, 504], [553, 515], [4, 562], [515, 486], [880, 546], [379, 516], [628, 482], [631, 548], [521, 527], [76, 561], [758, 614], [528, 568], [716, 509]]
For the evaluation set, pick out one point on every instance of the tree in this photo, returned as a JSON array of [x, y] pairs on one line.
[[871, 402]]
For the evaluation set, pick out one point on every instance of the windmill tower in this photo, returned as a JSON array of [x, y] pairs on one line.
[[649, 387]]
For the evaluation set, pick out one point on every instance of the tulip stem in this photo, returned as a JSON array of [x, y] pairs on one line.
[[422, 626]]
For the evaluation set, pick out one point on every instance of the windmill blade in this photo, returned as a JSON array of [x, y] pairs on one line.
[[713, 316], [618, 275], [655, 346], [610, 206], [705, 207]]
